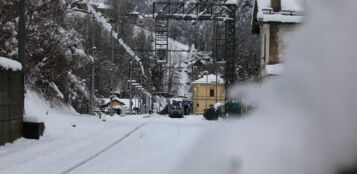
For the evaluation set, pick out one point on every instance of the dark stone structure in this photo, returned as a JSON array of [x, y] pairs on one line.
[[11, 105], [33, 130]]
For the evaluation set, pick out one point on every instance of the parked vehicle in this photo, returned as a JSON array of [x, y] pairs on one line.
[[210, 113], [232, 108], [219, 110], [175, 108], [187, 106]]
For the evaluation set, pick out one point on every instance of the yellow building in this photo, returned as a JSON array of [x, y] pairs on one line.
[[116, 103], [207, 92]]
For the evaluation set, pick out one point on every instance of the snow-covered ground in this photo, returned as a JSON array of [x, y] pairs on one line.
[[76, 143]]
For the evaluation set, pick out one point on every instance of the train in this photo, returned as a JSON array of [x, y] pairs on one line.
[[178, 107]]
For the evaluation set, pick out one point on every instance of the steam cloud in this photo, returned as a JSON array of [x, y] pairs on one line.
[[306, 119]]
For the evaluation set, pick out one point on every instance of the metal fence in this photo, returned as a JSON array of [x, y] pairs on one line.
[[11, 105]]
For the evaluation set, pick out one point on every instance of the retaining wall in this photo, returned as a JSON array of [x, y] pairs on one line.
[[11, 105]]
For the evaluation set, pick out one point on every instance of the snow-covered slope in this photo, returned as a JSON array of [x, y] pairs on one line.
[[108, 27], [58, 117], [177, 60]]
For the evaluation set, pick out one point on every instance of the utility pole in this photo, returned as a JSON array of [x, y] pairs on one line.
[[130, 87], [205, 73], [92, 72], [215, 55], [112, 56], [216, 68], [22, 35], [22, 44], [111, 72], [111, 61]]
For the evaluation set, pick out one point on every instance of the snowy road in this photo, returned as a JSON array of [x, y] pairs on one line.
[[131, 145]]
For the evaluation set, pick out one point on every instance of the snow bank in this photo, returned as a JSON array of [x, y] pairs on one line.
[[9, 64], [306, 120], [57, 118]]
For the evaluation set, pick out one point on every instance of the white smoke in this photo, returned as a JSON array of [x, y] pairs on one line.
[[306, 119]]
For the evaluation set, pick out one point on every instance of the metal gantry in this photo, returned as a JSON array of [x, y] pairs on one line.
[[223, 15], [161, 39]]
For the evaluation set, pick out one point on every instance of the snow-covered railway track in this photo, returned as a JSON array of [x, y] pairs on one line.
[[42, 152], [103, 150]]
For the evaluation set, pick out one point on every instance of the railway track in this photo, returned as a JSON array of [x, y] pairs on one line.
[[103, 150]]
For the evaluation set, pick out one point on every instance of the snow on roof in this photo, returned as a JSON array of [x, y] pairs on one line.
[[276, 69], [126, 101], [293, 5], [232, 2], [209, 79], [102, 5], [175, 99], [291, 11], [9, 64]]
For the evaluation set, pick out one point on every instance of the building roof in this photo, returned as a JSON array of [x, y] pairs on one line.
[[8, 64], [292, 11], [126, 101], [118, 100], [209, 79], [198, 63], [106, 101]]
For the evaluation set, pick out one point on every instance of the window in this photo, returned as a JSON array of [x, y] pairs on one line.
[[211, 92], [198, 105]]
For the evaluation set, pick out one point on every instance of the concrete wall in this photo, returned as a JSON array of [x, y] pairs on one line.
[[11, 106], [201, 94]]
